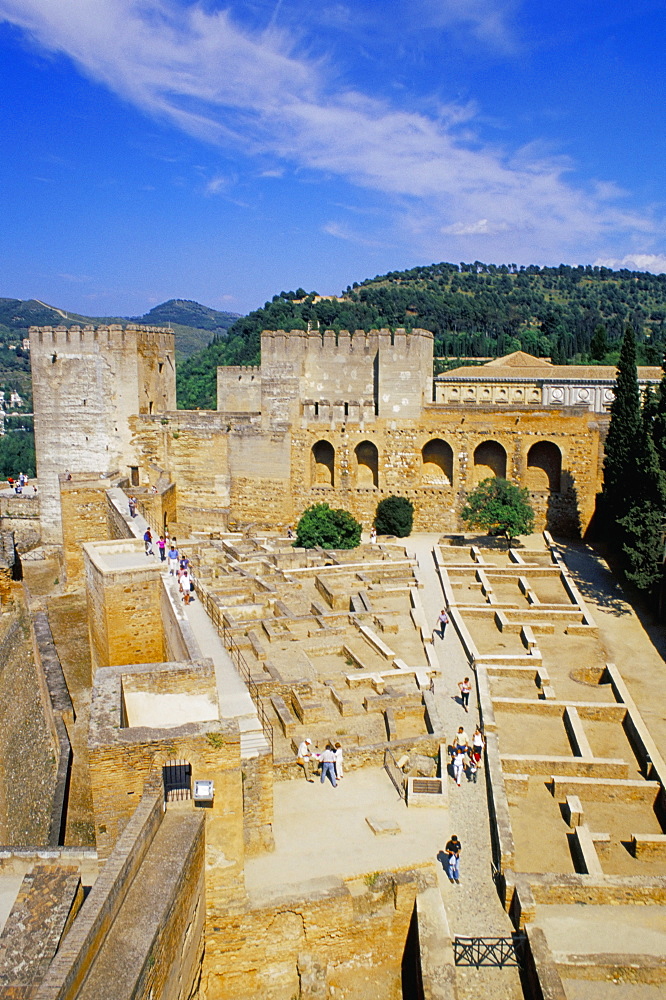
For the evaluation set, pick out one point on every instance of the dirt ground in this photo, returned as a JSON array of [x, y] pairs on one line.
[[540, 832]]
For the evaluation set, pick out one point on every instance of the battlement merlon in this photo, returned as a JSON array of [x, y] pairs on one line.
[[94, 337], [293, 346], [239, 389]]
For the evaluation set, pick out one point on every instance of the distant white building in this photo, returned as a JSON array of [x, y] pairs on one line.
[[25, 343], [520, 378], [15, 399]]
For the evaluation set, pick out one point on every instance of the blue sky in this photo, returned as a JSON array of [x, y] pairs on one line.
[[153, 149]]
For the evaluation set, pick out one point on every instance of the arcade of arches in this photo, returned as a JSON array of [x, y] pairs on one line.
[[543, 467]]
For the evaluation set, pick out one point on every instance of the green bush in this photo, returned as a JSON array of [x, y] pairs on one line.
[[328, 527], [394, 516], [500, 508]]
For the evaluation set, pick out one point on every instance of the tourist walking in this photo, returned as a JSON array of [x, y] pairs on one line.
[[465, 688], [148, 542], [185, 588], [461, 739], [373, 535], [304, 757], [453, 849], [161, 545], [459, 758], [472, 769], [173, 560], [478, 743], [442, 622], [328, 765], [338, 761]]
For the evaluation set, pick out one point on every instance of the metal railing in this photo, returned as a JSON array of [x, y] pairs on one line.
[[394, 773], [237, 658], [478, 951]]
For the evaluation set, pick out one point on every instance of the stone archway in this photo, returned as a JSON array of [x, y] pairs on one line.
[[367, 464], [322, 464], [544, 467], [489, 460], [437, 463]]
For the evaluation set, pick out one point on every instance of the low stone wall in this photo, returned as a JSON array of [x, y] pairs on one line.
[[29, 746], [179, 640], [63, 715], [21, 860], [78, 951], [287, 769], [315, 943], [258, 804], [21, 516], [162, 959], [118, 521]]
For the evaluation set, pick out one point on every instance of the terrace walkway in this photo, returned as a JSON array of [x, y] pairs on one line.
[[473, 907], [232, 693]]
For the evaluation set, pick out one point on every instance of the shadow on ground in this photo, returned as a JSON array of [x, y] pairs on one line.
[[598, 583]]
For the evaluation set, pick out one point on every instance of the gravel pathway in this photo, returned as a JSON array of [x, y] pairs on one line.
[[473, 907]]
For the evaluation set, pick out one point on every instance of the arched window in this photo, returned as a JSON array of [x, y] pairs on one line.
[[489, 460], [367, 464], [544, 467], [322, 471], [437, 463]]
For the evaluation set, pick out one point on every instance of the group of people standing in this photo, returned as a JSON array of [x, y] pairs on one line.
[[20, 484], [329, 760], [177, 562], [467, 754]]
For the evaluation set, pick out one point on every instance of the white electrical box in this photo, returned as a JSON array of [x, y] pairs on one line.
[[204, 790]]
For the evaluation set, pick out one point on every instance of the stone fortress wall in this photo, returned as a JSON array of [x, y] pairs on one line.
[[87, 383], [341, 418]]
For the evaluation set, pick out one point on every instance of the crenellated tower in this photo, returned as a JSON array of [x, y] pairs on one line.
[[87, 383]]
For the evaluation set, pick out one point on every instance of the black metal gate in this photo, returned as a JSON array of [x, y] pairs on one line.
[[498, 951], [177, 775]]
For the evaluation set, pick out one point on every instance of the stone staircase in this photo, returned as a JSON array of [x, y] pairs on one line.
[[252, 739]]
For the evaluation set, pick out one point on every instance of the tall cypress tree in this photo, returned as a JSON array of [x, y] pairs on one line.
[[623, 436], [659, 424], [641, 528]]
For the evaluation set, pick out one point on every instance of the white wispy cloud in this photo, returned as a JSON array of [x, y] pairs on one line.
[[216, 184], [250, 91], [490, 21], [655, 262]]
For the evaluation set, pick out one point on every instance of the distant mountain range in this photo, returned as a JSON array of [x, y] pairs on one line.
[[574, 315], [194, 325]]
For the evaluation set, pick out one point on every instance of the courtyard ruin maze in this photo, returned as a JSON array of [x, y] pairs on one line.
[[117, 698], [336, 643]]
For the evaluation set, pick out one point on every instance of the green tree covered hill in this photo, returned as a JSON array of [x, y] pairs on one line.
[[571, 314], [194, 325]]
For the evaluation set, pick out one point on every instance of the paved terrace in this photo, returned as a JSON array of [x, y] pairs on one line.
[[577, 778], [322, 832]]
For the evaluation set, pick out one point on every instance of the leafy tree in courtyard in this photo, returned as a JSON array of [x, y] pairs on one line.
[[394, 516], [332, 528], [500, 508], [17, 454], [624, 434]]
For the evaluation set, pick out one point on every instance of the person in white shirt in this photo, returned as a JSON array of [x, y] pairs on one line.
[[328, 766], [304, 756], [442, 622]]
